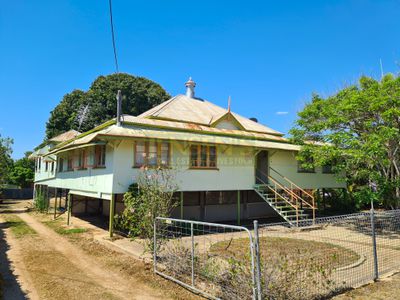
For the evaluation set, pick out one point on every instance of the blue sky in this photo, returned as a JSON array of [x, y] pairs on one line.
[[268, 55]]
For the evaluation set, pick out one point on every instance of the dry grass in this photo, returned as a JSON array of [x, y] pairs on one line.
[[54, 276], [128, 267], [272, 247]]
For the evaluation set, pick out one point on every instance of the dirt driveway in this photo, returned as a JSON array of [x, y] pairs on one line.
[[47, 265]]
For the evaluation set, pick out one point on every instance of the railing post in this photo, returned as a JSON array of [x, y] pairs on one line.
[[111, 217], [313, 211], [192, 236], [238, 207], [372, 214], [257, 259], [69, 208], [155, 246], [181, 194], [55, 204]]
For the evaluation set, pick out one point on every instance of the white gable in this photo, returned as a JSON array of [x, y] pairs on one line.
[[226, 124]]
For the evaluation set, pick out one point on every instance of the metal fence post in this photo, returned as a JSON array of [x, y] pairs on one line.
[[257, 259], [192, 236], [155, 246], [376, 271]]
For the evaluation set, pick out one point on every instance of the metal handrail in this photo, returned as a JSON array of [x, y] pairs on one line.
[[290, 191], [276, 192], [292, 183]]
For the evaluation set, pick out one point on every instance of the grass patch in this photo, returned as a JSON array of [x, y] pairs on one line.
[[58, 227], [18, 227], [272, 248]]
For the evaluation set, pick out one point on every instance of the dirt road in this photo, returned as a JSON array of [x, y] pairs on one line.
[[47, 265]]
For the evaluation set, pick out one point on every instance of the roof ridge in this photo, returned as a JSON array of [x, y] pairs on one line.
[[166, 103]]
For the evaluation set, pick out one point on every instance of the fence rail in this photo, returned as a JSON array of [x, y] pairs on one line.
[[276, 261], [198, 255]]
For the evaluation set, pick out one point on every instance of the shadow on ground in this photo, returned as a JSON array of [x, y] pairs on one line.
[[10, 287]]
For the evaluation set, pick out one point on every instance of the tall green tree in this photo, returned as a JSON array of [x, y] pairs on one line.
[[358, 131], [6, 161], [22, 172], [63, 116], [139, 94]]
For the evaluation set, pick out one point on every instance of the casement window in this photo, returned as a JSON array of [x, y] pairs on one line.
[[100, 156], [60, 164], [82, 160], [46, 166], [203, 156], [151, 154], [70, 163], [164, 154]]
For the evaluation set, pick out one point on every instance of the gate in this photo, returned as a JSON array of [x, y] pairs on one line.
[[214, 260]]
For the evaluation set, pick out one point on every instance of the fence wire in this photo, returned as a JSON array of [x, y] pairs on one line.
[[320, 259], [212, 259], [312, 260]]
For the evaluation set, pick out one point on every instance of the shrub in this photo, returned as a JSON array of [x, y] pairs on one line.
[[41, 204], [150, 197]]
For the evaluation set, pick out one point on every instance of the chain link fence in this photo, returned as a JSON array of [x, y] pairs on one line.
[[312, 260]]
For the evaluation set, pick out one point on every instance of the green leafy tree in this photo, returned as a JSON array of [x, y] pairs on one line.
[[63, 116], [6, 161], [139, 94], [357, 130], [22, 172]]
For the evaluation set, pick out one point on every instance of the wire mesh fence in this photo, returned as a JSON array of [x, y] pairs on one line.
[[312, 260], [387, 229], [212, 259]]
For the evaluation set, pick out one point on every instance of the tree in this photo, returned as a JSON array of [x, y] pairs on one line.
[[22, 172], [358, 131], [139, 94], [63, 116], [151, 197], [6, 161]]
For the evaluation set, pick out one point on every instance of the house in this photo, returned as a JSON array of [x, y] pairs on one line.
[[228, 167]]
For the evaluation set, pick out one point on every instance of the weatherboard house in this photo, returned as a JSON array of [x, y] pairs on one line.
[[227, 167]]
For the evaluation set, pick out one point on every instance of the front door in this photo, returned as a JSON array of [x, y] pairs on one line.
[[262, 167]]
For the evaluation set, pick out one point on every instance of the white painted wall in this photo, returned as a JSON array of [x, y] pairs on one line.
[[285, 162], [90, 182], [41, 174], [235, 171]]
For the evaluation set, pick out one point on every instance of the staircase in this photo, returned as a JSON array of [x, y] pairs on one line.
[[285, 198]]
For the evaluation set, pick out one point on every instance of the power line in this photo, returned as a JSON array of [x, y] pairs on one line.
[[113, 37]]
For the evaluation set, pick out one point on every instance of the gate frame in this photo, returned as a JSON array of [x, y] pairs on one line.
[[192, 287]]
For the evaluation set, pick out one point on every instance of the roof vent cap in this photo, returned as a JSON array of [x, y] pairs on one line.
[[190, 85], [254, 119]]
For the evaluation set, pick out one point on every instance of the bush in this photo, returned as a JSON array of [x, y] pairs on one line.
[[150, 197], [41, 204]]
